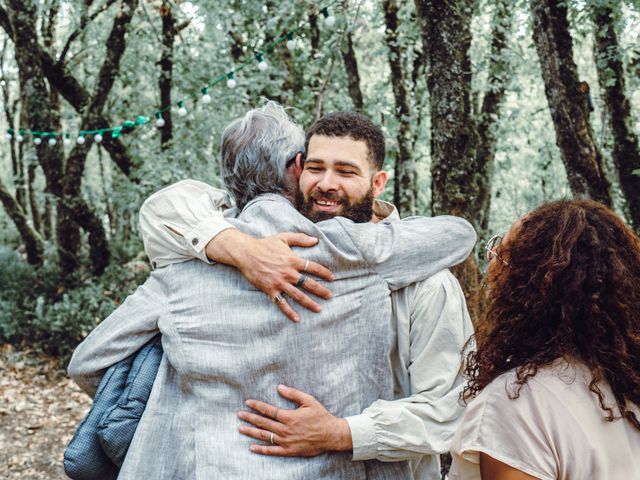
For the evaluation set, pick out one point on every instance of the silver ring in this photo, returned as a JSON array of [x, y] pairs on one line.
[[301, 281], [306, 265], [271, 439], [277, 299], [275, 415]]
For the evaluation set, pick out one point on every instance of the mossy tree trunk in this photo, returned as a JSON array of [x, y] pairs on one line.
[[569, 107], [626, 155]]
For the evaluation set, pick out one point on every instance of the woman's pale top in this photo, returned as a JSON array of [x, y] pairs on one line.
[[555, 429]]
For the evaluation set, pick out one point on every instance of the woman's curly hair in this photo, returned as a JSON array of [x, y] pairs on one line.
[[571, 289]]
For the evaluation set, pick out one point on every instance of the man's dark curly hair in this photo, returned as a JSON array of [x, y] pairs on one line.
[[571, 289], [355, 126]]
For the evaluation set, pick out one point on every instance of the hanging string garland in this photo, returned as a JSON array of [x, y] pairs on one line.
[[52, 137]]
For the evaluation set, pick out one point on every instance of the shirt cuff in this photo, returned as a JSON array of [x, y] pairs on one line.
[[204, 231], [363, 437]]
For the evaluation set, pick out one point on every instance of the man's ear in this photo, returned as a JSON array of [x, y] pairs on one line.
[[379, 181], [299, 164]]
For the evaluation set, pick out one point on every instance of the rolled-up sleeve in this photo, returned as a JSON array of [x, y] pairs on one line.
[[178, 221], [433, 326]]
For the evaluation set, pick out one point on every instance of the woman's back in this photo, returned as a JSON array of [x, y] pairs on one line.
[[555, 429]]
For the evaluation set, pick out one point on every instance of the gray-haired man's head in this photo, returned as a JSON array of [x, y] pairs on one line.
[[255, 151]]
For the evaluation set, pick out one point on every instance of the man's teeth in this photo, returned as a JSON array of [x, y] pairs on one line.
[[326, 202]]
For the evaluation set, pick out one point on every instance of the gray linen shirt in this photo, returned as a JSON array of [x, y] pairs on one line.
[[221, 349]]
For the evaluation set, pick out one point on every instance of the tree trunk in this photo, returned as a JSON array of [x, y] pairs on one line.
[[33, 202], [37, 104], [74, 93], [490, 110], [353, 74], [404, 185], [626, 155], [445, 28], [32, 240], [569, 107], [166, 72]]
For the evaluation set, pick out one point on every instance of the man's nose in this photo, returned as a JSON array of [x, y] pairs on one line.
[[328, 182]]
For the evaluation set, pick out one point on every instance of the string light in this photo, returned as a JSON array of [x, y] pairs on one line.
[[291, 43], [231, 82], [262, 65], [181, 110], [206, 98], [160, 122], [329, 20]]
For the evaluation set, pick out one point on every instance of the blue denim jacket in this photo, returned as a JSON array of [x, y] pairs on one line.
[[100, 443]]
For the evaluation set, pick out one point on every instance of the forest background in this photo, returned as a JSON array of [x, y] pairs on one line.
[[490, 107]]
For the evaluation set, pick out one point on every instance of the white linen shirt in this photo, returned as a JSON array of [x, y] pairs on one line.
[[430, 327]]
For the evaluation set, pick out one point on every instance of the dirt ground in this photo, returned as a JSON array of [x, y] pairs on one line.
[[39, 411]]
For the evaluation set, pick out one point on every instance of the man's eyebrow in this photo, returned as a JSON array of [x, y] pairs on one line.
[[339, 163]]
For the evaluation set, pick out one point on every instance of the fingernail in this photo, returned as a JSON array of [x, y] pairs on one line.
[[296, 319], [282, 387]]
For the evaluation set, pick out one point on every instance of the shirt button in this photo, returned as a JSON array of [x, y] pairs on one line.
[[194, 242]]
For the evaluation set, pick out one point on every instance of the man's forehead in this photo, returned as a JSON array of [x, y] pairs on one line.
[[337, 150]]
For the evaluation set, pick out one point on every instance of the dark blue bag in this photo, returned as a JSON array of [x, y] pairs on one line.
[[119, 422], [84, 458]]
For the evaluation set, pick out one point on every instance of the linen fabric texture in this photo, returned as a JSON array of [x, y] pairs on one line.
[[429, 328], [225, 342], [554, 430]]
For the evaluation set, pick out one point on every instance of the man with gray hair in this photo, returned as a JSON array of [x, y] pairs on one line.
[[224, 347]]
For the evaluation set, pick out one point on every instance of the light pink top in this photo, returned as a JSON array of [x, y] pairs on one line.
[[554, 430]]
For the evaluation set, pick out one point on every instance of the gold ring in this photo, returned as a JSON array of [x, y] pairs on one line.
[[306, 265], [271, 439]]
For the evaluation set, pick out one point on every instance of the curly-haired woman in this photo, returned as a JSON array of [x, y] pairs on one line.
[[555, 378]]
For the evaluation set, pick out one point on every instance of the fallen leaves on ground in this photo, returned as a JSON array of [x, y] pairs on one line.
[[40, 408]]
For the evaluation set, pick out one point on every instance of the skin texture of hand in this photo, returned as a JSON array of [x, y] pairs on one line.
[[492, 469], [306, 431], [271, 266]]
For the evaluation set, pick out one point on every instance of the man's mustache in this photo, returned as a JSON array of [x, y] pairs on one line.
[[330, 196]]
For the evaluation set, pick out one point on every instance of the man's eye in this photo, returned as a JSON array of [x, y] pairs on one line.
[[314, 169], [347, 172]]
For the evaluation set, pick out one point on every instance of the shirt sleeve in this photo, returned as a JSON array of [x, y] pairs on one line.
[[178, 221], [424, 423], [516, 432], [428, 245], [120, 335]]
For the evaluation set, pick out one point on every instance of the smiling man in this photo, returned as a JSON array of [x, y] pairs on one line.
[[341, 176]]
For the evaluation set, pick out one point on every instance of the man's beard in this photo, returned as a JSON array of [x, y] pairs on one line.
[[361, 211]]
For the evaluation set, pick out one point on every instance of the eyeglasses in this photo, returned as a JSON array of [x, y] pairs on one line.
[[292, 160], [491, 249]]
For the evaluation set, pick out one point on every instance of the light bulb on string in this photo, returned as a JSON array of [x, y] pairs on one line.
[[159, 120], [97, 138], [329, 20], [37, 140], [20, 138], [206, 98], [291, 43], [9, 136], [52, 141], [80, 140], [262, 65], [181, 110], [231, 82], [66, 141]]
